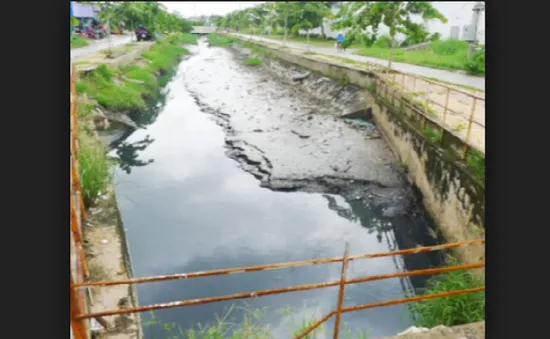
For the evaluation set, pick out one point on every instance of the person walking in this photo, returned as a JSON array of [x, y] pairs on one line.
[[339, 41]]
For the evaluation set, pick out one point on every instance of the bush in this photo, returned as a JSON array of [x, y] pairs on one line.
[[382, 42], [476, 64], [94, 167], [455, 310]]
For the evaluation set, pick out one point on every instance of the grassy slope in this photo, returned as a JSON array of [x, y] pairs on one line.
[[77, 41], [110, 89], [313, 41], [447, 54]]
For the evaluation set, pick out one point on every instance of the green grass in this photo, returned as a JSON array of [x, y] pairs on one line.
[[111, 91], [455, 310], [94, 167], [433, 134], [314, 41], [77, 41], [254, 61], [445, 54], [249, 328], [215, 39]]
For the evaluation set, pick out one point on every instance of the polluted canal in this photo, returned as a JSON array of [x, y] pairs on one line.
[[241, 168]]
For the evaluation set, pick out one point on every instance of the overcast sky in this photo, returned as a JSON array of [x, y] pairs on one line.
[[459, 13]]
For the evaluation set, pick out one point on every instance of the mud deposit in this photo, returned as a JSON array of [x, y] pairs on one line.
[[249, 169]]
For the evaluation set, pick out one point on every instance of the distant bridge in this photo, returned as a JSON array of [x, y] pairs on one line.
[[203, 30]]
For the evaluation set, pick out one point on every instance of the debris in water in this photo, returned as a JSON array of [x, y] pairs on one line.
[[360, 123]]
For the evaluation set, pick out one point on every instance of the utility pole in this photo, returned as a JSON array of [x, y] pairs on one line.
[[478, 8]]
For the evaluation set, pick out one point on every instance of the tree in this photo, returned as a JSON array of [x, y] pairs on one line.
[[396, 15], [311, 15]]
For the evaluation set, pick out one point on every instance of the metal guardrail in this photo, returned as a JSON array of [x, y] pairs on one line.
[[390, 76], [341, 283]]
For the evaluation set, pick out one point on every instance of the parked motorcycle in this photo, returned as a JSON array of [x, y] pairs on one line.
[[143, 35]]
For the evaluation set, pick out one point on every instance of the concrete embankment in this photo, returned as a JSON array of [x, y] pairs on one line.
[[450, 189], [113, 94]]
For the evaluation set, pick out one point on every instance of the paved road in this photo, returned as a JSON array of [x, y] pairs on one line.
[[449, 76], [98, 45]]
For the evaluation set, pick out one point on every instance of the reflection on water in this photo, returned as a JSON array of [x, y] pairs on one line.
[[193, 209], [128, 156]]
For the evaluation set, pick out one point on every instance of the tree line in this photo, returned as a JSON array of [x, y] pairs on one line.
[[363, 19], [151, 14]]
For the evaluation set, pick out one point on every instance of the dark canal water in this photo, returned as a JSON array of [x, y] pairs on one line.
[[193, 209]]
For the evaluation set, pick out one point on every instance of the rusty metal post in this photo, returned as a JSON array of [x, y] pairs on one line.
[[79, 327], [403, 81], [470, 121], [341, 293], [446, 105]]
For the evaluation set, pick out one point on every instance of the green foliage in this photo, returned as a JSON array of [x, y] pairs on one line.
[[254, 61], [383, 42], [94, 167], [151, 14], [445, 54], [249, 328], [115, 93], [449, 47], [363, 16], [218, 40], [476, 64], [433, 135], [476, 162], [455, 310], [77, 41]]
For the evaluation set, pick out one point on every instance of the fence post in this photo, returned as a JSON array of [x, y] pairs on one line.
[[470, 127], [341, 293], [414, 83], [79, 327], [403, 81], [446, 104]]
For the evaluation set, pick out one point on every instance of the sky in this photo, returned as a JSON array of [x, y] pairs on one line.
[[458, 13]]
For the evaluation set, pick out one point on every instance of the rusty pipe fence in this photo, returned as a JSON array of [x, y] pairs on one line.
[[78, 263], [458, 119], [79, 303], [341, 309], [458, 112]]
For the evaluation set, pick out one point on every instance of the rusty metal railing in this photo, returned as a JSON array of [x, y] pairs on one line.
[[78, 263], [432, 109], [342, 283]]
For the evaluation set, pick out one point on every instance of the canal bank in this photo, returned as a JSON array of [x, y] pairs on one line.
[[452, 189], [114, 93], [203, 201]]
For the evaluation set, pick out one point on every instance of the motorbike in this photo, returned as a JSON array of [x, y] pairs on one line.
[[143, 35]]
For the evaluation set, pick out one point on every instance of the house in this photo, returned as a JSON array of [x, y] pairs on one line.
[[84, 13]]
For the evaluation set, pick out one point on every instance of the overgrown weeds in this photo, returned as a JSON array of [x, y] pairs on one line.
[[128, 88], [254, 61], [455, 310], [250, 327], [215, 39], [95, 173], [476, 162]]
